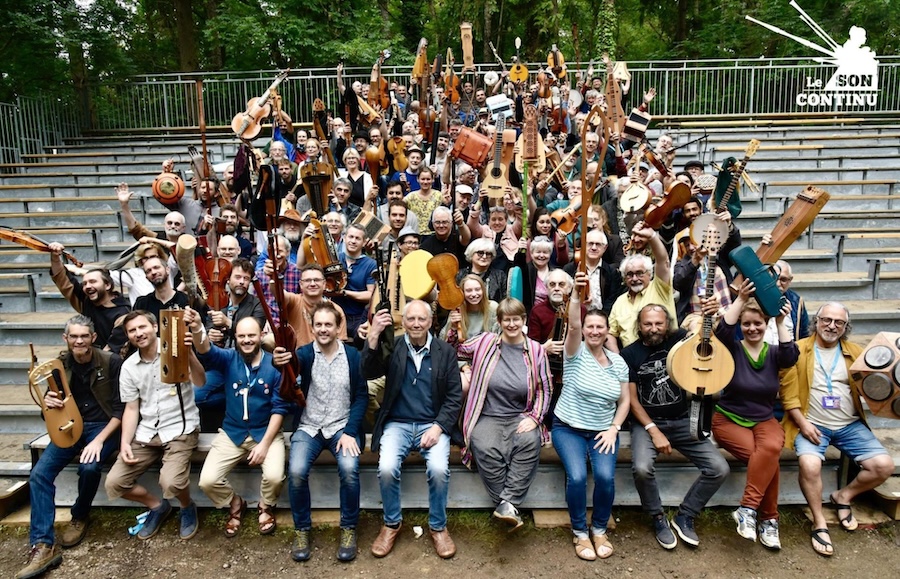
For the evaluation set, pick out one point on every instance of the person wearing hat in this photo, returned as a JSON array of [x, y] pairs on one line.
[[407, 241], [464, 194], [695, 168], [291, 224]]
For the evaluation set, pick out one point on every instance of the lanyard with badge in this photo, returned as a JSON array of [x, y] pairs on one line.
[[829, 401]]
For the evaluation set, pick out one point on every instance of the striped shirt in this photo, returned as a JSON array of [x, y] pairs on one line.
[[590, 391]]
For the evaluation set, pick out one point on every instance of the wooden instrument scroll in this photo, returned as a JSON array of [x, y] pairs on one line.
[[173, 353], [64, 425]]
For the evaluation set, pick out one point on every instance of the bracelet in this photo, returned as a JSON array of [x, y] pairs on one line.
[[650, 425]]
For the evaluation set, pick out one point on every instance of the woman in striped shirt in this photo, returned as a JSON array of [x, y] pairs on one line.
[[587, 420], [504, 414]]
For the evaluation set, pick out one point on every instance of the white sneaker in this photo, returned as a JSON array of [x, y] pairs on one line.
[[746, 523], [768, 534]]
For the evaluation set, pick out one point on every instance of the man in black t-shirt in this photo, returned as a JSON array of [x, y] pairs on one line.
[[660, 423]]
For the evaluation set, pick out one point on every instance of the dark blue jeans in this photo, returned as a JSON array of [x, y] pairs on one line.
[[304, 451], [43, 481], [574, 446]]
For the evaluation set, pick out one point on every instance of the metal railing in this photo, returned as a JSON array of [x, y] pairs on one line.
[[701, 89]]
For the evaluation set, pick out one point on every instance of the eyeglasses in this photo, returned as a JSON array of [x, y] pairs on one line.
[[441, 222], [640, 273], [410, 242], [313, 280], [785, 279], [484, 253], [839, 324], [595, 244]]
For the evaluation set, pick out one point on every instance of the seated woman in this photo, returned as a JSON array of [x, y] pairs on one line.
[[588, 417], [744, 423], [476, 316], [542, 225], [503, 418], [480, 253]]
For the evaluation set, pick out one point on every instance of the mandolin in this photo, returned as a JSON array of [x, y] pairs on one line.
[[495, 178], [247, 125], [700, 363], [443, 269]]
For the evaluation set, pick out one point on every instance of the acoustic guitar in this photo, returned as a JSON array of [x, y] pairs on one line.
[[700, 363], [495, 179], [64, 425]]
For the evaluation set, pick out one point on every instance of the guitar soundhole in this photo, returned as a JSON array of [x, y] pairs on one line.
[[704, 350], [495, 173]]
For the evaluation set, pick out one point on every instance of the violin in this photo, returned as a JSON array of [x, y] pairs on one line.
[[247, 125], [557, 63], [443, 269], [396, 146], [543, 85], [518, 72], [558, 114], [33, 242], [378, 87], [451, 81], [566, 219], [218, 270]]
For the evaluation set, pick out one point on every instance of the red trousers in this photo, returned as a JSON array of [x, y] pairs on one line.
[[759, 448]]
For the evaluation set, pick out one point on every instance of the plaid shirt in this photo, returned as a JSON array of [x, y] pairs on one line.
[[720, 289], [291, 282]]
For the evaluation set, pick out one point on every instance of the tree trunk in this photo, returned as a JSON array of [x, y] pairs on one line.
[[77, 62], [186, 31]]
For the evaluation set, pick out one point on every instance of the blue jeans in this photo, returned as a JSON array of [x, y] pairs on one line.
[[855, 440], [573, 445], [304, 451], [713, 468], [43, 485], [398, 440]]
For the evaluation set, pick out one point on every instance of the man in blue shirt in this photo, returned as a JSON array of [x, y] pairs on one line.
[[355, 297], [254, 412]]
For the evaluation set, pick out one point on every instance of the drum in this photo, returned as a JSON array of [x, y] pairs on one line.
[[168, 188]]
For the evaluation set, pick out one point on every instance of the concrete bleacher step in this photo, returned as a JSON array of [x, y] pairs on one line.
[[97, 166]]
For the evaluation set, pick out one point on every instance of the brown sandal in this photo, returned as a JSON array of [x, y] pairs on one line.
[[235, 518], [267, 525]]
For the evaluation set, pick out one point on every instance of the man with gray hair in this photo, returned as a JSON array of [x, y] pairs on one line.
[[422, 400], [798, 321], [822, 407], [604, 281], [645, 284], [444, 239], [341, 199]]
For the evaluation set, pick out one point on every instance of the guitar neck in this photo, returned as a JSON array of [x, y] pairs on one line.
[[710, 292], [498, 142]]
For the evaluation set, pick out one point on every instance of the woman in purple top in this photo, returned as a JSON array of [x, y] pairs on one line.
[[744, 423]]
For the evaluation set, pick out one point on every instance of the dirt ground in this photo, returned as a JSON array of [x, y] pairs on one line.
[[484, 550]]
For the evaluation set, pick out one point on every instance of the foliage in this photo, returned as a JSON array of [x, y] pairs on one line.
[[49, 45]]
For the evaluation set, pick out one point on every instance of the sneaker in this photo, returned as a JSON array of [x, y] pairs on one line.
[[155, 520], [746, 523], [768, 534], [72, 534], [189, 523], [684, 526], [664, 535], [41, 559], [347, 548], [509, 514], [300, 547]]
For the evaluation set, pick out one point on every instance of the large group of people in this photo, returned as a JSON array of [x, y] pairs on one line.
[[546, 346]]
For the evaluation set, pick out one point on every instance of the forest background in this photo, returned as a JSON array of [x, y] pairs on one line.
[[53, 46]]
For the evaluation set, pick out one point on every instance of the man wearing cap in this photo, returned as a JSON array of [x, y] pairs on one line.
[[464, 194], [292, 225], [695, 168]]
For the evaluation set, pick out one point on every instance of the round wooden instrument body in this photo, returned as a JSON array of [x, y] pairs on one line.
[[443, 269], [168, 188]]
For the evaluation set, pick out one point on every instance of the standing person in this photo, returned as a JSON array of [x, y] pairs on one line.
[[421, 404], [503, 419], [588, 417], [160, 421], [660, 423], [744, 423], [251, 430], [822, 407], [336, 400], [93, 378], [241, 304], [354, 298]]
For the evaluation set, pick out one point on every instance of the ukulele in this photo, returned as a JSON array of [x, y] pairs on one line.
[[495, 179], [700, 363]]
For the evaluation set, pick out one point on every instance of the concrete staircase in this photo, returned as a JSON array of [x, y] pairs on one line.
[[67, 195]]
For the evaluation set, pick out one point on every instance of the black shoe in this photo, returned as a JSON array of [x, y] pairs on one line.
[[300, 548], [347, 549]]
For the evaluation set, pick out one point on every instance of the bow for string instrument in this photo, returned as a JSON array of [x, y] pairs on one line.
[[33, 242], [247, 125], [266, 198]]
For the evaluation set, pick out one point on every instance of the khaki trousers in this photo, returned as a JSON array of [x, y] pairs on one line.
[[224, 456]]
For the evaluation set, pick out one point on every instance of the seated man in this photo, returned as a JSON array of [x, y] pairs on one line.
[[154, 427], [822, 407], [336, 400], [661, 422], [254, 413], [93, 377], [422, 399]]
